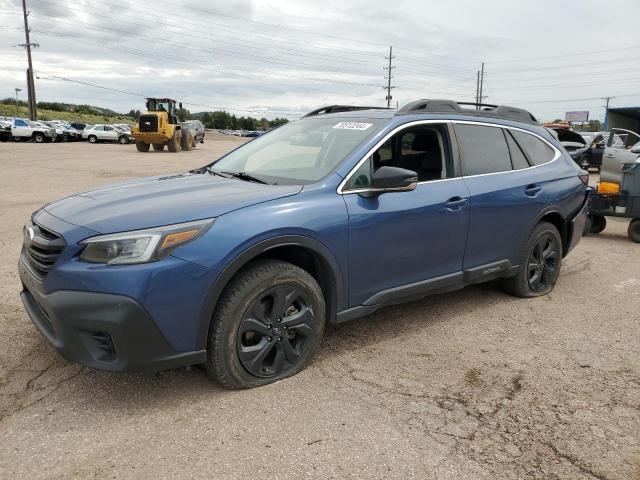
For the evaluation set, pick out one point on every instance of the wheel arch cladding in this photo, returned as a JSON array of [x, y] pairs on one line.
[[555, 219], [304, 252]]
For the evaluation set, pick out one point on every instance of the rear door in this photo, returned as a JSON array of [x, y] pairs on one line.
[[109, 133], [506, 192]]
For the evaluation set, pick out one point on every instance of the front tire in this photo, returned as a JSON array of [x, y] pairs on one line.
[[142, 146], [267, 326], [93, 139], [123, 140], [540, 263], [38, 138]]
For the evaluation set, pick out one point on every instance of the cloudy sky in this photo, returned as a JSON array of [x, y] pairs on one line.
[[281, 58]]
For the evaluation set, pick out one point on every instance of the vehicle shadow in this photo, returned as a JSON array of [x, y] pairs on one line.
[[120, 392]]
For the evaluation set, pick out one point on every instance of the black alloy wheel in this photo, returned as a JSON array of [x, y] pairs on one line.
[[543, 263], [267, 325], [275, 331]]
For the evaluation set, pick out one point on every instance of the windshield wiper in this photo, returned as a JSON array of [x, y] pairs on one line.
[[216, 172], [245, 176]]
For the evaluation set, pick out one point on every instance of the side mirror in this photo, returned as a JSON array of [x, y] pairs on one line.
[[392, 179], [599, 145], [636, 148]]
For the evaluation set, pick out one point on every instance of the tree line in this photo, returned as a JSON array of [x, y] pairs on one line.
[[219, 119], [227, 121]]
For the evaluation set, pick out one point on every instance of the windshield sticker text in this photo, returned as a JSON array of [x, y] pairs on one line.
[[352, 125]]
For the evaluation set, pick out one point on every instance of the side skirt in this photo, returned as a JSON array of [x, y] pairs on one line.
[[432, 286]]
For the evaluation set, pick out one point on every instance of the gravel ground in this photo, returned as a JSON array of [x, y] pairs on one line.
[[473, 384]]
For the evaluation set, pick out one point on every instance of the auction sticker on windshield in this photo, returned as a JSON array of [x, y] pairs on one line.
[[352, 125]]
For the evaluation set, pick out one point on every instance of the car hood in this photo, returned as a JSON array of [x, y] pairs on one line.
[[162, 200]]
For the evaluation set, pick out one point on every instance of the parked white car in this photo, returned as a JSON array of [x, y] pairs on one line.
[[108, 133], [22, 129]]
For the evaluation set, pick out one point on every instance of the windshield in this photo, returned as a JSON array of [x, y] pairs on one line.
[[299, 152]]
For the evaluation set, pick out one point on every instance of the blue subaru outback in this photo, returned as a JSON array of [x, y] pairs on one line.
[[239, 265]]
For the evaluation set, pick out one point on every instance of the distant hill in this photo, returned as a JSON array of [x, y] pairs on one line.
[[65, 111]]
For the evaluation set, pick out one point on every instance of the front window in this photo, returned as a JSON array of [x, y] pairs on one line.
[[299, 152], [420, 149]]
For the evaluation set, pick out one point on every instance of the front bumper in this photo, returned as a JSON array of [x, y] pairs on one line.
[[103, 331]]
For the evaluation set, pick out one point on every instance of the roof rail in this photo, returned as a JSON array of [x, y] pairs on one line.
[[340, 108], [482, 109]]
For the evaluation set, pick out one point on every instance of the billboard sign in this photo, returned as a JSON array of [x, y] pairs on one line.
[[576, 117]]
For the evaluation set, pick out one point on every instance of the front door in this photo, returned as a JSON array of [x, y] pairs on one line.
[[400, 239]]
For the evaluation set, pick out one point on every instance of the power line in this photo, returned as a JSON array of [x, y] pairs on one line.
[[190, 61], [520, 60], [142, 95], [556, 67]]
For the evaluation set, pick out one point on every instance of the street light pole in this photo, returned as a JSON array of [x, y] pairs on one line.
[[17, 90]]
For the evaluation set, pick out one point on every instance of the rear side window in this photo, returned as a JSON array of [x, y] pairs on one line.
[[518, 159], [484, 149], [537, 150]]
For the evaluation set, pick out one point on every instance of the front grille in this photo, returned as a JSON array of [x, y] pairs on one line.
[[41, 249], [148, 123]]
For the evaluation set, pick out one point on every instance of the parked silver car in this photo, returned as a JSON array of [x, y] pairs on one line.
[[618, 152], [109, 133]]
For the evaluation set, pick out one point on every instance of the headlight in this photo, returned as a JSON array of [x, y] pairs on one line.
[[141, 246]]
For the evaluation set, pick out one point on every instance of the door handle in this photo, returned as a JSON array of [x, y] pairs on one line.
[[456, 204], [610, 155], [532, 190]]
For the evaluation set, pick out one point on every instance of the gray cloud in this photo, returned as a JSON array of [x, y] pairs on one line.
[[198, 53]]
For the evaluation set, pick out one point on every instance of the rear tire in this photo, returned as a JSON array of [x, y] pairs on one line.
[[186, 141], [598, 223], [267, 325], [634, 230], [540, 263], [142, 146], [158, 147], [174, 144]]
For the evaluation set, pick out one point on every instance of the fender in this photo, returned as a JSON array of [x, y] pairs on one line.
[[566, 235], [247, 255]]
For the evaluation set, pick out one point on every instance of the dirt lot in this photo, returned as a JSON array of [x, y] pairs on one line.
[[473, 384]]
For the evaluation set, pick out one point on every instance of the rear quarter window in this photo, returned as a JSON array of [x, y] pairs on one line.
[[537, 150]]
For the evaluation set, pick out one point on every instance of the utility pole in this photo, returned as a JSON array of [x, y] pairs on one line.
[[17, 90], [31, 89], [478, 90], [606, 111], [389, 77], [480, 95]]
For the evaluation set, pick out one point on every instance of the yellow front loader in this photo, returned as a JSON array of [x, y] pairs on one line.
[[160, 126]]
